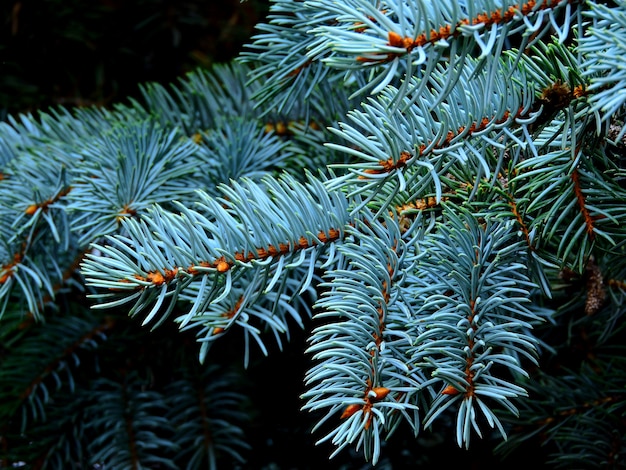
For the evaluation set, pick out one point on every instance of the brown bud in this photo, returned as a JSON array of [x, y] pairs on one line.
[[395, 39], [222, 266], [350, 410], [281, 128], [381, 392], [450, 390]]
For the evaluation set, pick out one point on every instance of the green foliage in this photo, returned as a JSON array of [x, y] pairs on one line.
[[433, 191]]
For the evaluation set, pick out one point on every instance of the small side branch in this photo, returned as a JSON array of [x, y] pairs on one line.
[[228, 315], [449, 31], [389, 165], [580, 197], [469, 362], [223, 264], [33, 208], [106, 325], [520, 222]]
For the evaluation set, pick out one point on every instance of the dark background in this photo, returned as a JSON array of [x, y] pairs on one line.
[[84, 52]]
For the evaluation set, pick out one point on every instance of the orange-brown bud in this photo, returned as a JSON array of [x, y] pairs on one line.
[[450, 390], [281, 128], [156, 278], [222, 266], [350, 410], [395, 39], [381, 392]]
